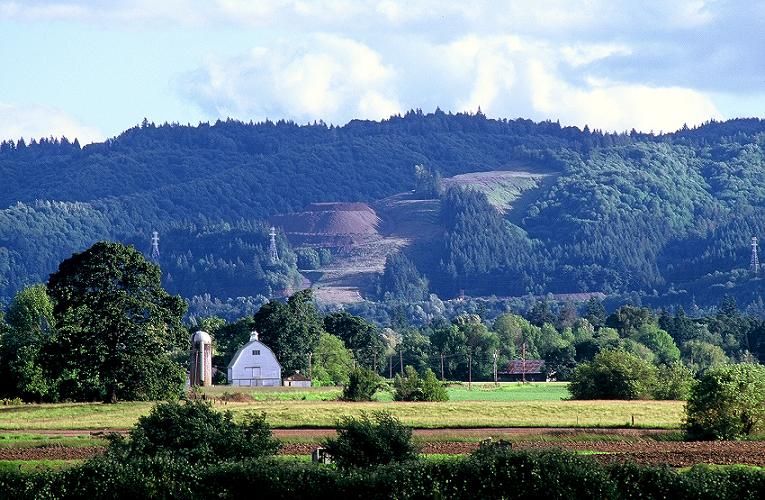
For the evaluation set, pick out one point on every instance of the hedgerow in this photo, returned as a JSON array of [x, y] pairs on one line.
[[497, 473]]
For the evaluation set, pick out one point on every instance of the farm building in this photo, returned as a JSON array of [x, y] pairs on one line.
[[254, 365], [530, 370], [200, 360], [297, 379]]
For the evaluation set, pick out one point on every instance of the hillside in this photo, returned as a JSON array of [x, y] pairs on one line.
[[580, 211]]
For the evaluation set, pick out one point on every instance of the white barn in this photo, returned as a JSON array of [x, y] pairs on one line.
[[254, 365]]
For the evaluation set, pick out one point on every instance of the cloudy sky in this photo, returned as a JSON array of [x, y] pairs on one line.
[[92, 68]]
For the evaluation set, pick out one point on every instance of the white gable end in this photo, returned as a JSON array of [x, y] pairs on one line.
[[254, 365]]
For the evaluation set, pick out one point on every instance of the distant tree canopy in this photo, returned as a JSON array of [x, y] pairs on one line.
[[401, 280], [668, 216]]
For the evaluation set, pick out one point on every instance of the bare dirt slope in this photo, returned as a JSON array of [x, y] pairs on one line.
[[361, 236]]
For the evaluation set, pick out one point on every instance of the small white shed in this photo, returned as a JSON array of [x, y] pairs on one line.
[[297, 379], [254, 365]]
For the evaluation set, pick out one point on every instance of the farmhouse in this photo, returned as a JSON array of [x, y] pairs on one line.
[[254, 365], [530, 370]]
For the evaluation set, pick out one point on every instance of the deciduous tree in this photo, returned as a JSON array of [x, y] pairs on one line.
[[118, 330]]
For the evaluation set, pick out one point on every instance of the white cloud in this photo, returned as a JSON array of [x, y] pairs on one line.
[[336, 79], [511, 76], [41, 121], [322, 77]]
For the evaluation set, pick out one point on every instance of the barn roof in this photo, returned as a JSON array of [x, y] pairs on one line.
[[248, 345], [519, 367]]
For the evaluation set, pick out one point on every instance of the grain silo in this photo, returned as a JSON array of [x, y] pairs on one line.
[[200, 371]]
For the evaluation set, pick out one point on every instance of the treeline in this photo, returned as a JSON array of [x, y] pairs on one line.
[[672, 344], [668, 215]]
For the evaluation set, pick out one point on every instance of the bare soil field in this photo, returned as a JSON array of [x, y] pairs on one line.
[[637, 447]]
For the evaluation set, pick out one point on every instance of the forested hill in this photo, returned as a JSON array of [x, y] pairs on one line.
[[626, 212]]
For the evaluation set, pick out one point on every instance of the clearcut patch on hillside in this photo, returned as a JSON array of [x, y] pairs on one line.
[[501, 187], [361, 236]]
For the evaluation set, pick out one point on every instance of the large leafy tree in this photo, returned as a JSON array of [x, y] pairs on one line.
[[118, 331], [359, 335], [292, 330]]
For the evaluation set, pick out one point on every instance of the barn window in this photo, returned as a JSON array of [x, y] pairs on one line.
[[256, 352]]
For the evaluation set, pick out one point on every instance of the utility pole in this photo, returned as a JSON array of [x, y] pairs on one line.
[[496, 355], [523, 362], [390, 366], [442, 367], [310, 355], [470, 369], [401, 361]]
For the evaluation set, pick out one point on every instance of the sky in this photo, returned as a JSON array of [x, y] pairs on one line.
[[93, 68]]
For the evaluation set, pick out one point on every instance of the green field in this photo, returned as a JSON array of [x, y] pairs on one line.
[[459, 391], [509, 405]]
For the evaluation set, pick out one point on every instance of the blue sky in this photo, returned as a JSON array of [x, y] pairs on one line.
[[92, 68]]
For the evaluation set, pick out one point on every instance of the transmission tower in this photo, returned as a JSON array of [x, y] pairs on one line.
[[155, 246], [755, 263], [273, 254]]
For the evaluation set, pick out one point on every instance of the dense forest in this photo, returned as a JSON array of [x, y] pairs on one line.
[[669, 216]]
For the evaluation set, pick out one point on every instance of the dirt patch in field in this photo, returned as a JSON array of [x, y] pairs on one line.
[[51, 453]]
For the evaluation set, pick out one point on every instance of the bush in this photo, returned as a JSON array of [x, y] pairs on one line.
[[613, 374], [194, 431], [367, 441], [362, 385], [411, 387], [728, 402]]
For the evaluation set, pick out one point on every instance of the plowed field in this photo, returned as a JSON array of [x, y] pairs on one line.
[[638, 446]]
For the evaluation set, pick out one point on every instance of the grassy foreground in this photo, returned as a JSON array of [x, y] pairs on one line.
[[509, 405]]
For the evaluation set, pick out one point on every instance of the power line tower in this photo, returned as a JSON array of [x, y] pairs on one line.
[[273, 254], [755, 262], [155, 247]]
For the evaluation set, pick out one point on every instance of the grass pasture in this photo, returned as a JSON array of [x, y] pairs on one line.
[[509, 405]]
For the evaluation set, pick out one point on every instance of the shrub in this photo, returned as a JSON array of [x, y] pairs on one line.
[[728, 402], [365, 441], [362, 385], [432, 388], [193, 430], [613, 374], [408, 387], [411, 387]]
